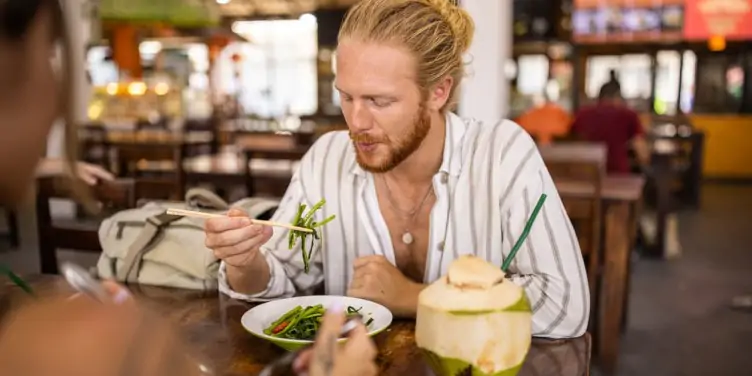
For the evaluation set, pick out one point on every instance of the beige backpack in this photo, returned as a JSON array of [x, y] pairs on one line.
[[148, 246]]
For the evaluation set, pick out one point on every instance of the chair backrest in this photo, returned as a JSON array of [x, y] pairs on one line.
[[157, 167], [584, 210], [271, 182], [79, 234]]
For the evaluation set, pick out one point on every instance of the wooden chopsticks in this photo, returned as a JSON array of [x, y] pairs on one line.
[[198, 214]]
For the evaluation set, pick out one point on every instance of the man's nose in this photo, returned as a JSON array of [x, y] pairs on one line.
[[360, 118]]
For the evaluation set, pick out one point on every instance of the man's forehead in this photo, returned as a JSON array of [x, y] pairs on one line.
[[379, 61]]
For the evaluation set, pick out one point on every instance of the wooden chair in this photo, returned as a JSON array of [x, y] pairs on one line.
[[271, 181], [158, 169], [74, 234], [202, 125], [584, 211], [94, 145], [269, 148], [13, 232]]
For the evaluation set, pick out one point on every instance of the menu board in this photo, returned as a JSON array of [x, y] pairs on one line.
[[727, 18], [614, 21]]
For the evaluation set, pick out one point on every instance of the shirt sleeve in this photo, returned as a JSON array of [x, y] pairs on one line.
[[286, 267], [549, 265]]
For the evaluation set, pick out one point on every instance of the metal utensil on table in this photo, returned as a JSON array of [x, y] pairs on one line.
[[284, 363], [83, 282]]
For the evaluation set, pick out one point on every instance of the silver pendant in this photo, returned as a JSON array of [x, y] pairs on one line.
[[407, 238]]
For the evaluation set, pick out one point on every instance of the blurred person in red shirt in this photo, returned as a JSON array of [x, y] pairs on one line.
[[611, 122]]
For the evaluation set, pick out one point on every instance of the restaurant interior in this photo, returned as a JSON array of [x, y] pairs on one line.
[[228, 95]]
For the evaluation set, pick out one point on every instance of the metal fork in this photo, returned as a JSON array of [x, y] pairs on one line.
[[285, 362]]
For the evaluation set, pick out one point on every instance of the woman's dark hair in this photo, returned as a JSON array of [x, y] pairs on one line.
[[16, 16], [16, 19]]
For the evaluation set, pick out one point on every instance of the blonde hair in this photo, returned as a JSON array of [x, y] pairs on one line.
[[437, 32]]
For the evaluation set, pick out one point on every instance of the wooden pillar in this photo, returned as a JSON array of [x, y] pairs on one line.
[[125, 50]]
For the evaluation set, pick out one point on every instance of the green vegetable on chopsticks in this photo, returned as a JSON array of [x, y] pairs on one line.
[[303, 323], [307, 221]]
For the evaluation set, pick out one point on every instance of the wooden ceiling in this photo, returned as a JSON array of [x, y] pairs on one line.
[[259, 8]]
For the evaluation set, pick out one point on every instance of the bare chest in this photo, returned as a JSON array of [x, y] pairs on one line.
[[409, 233]]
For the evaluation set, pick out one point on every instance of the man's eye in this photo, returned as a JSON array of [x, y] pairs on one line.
[[380, 102]]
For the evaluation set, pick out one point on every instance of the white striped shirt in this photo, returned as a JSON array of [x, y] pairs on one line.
[[489, 181]]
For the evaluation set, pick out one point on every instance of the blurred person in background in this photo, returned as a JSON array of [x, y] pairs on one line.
[[77, 336], [611, 122], [613, 83], [546, 120]]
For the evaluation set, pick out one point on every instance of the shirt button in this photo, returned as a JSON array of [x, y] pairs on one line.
[[444, 178], [440, 247]]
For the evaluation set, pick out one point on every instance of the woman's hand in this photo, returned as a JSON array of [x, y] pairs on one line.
[[77, 335], [354, 358], [89, 173]]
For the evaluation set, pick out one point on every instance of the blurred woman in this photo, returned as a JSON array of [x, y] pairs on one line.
[[79, 336]]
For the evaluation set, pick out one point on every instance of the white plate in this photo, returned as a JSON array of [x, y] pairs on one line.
[[260, 317]]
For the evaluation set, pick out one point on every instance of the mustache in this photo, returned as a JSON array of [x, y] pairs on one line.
[[365, 138]]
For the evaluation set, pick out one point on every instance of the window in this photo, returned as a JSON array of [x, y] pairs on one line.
[[667, 82], [633, 73], [274, 74], [686, 102]]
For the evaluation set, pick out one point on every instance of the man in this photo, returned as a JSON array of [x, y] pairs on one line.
[[413, 186], [611, 122]]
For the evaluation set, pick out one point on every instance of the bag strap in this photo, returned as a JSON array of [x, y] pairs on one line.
[[204, 198], [128, 272]]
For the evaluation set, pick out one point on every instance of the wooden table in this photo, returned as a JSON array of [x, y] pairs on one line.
[[211, 323], [622, 196], [578, 152]]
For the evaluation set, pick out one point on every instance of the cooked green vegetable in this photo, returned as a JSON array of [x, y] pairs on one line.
[[306, 221], [303, 323]]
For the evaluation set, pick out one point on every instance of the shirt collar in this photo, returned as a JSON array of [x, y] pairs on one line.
[[451, 162]]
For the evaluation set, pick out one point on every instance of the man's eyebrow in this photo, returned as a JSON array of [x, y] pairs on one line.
[[376, 95]]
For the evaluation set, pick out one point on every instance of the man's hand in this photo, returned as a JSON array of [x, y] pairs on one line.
[[235, 239], [376, 279]]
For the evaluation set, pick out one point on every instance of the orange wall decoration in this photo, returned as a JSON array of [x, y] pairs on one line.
[[731, 19], [125, 50]]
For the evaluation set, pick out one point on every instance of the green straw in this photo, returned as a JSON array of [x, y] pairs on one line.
[[18, 281], [523, 236]]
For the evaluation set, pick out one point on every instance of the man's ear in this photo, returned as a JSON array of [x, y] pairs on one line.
[[439, 94]]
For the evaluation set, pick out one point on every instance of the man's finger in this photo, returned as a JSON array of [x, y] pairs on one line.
[[215, 225], [365, 260], [235, 212], [238, 249], [233, 237]]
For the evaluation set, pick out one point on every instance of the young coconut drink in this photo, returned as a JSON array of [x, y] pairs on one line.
[[473, 321]]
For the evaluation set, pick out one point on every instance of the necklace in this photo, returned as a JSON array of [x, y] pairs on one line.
[[407, 236]]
